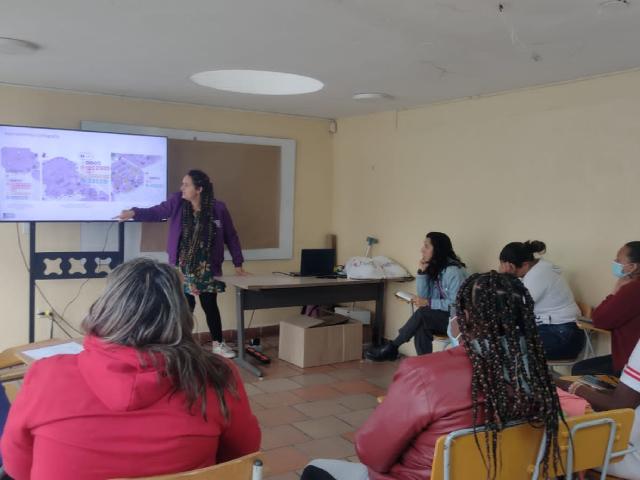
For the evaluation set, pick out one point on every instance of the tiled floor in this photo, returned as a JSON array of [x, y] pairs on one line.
[[313, 412]]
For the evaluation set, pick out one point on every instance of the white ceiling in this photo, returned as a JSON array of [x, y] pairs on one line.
[[419, 51]]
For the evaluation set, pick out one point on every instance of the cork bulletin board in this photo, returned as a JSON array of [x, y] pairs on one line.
[[253, 176]]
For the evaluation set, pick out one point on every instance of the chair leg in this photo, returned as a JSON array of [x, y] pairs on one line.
[[589, 352]]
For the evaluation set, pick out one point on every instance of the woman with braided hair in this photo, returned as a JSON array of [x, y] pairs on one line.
[[199, 227], [497, 375]]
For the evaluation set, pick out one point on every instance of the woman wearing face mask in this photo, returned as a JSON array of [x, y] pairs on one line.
[[619, 313], [440, 274], [556, 310]]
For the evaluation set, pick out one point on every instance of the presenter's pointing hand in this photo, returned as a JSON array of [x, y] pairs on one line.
[[125, 215]]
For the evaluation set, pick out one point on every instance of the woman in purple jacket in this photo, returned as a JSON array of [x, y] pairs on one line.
[[199, 226]]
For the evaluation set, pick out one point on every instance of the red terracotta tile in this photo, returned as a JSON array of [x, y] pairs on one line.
[[276, 399], [283, 476], [284, 460], [311, 379], [276, 385], [323, 427], [358, 401], [319, 369], [357, 418], [317, 392], [358, 386], [321, 408], [332, 447], [351, 436], [282, 436], [273, 417]]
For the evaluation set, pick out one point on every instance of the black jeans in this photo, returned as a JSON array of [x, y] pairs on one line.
[[208, 302], [312, 472], [421, 326], [561, 342], [595, 366]]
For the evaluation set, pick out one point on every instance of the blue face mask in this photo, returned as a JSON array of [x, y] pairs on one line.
[[454, 340], [616, 269]]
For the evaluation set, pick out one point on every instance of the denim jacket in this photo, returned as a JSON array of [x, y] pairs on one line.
[[441, 293]]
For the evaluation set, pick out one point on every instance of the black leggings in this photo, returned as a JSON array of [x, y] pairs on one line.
[[212, 312]]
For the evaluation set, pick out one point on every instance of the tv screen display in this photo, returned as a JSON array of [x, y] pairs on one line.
[[72, 175]]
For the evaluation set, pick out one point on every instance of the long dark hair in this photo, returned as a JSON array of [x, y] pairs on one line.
[[511, 380], [520, 252], [143, 307], [443, 254], [633, 251], [192, 232]]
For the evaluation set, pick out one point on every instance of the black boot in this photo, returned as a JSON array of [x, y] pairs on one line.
[[382, 353]]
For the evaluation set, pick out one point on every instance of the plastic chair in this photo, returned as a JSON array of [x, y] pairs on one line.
[[598, 439], [588, 350], [248, 467]]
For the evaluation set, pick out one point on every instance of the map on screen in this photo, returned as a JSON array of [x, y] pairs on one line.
[[70, 175]]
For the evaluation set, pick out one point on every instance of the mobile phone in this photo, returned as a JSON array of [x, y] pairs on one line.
[[596, 383]]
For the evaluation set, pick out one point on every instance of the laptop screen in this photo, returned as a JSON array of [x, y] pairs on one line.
[[317, 261]]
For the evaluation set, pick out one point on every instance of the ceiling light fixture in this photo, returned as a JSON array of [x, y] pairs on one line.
[[615, 3], [15, 46], [372, 96], [257, 82]]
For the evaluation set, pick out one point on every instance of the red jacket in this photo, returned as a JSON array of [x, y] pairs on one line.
[[100, 415], [620, 313], [430, 396]]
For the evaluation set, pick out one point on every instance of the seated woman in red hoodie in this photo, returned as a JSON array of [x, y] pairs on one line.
[[143, 398], [498, 374]]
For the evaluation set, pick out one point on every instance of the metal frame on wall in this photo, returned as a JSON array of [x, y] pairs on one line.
[[92, 264]]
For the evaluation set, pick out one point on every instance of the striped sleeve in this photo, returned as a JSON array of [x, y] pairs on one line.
[[631, 372]]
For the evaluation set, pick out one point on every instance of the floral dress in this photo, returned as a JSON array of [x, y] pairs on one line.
[[200, 279]]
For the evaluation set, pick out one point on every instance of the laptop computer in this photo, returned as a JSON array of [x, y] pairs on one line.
[[316, 262]]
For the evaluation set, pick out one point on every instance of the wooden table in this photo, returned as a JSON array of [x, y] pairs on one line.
[[14, 362], [255, 292]]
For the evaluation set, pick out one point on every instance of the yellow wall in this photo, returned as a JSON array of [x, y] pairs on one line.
[[25, 106], [559, 164]]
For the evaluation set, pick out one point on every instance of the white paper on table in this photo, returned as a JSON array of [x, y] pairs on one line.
[[72, 348]]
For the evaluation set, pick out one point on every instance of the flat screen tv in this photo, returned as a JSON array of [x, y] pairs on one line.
[[72, 175]]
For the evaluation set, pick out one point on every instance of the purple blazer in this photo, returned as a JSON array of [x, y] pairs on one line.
[[171, 210]]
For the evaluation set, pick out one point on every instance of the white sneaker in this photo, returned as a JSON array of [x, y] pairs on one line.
[[222, 349]]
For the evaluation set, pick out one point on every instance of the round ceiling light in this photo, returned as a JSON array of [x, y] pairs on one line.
[[15, 46], [372, 96], [257, 82]]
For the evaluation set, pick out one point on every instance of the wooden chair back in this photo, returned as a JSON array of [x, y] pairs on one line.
[[11, 390], [597, 439], [239, 469]]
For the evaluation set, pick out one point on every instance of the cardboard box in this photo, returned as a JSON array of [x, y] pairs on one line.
[[309, 342], [359, 314]]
